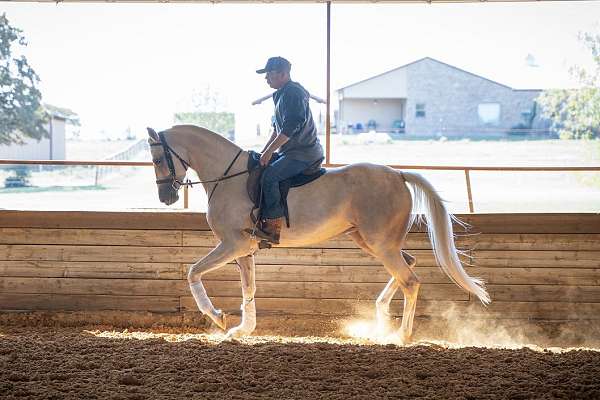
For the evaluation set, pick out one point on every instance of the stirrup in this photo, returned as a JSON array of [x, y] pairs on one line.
[[266, 241], [265, 236], [263, 244]]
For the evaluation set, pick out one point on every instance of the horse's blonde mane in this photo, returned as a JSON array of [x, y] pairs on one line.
[[198, 130]]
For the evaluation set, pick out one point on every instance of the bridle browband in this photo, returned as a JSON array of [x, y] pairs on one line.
[[168, 150], [176, 183]]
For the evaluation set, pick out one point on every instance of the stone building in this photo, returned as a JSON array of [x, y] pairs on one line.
[[431, 98]]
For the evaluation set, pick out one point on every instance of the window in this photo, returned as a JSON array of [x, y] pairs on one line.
[[489, 113], [420, 110]]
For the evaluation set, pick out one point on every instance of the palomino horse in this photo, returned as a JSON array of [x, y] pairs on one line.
[[371, 203]]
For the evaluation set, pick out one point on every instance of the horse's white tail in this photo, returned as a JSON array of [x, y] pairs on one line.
[[441, 235]]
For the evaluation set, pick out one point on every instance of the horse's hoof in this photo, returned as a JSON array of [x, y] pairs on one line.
[[405, 339], [220, 319], [410, 260], [235, 333]]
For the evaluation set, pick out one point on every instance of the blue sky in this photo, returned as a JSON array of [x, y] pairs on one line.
[[134, 65]]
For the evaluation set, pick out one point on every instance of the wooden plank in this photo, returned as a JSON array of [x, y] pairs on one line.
[[328, 290], [155, 219], [358, 274], [207, 239], [191, 254], [90, 269], [116, 237], [16, 302], [536, 259], [142, 287], [112, 318], [554, 242], [545, 310], [531, 241], [532, 223], [482, 258], [185, 220], [323, 273], [442, 309], [538, 276], [332, 307], [330, 257], [83, 286], [532, 293], [373, 273], [98, 253]]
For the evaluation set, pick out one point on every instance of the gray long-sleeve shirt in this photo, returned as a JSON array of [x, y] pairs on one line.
[[294, 119]]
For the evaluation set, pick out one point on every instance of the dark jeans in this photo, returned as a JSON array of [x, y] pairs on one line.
[[280, 170]]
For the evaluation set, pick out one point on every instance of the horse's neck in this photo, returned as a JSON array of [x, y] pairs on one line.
[[209, 155]]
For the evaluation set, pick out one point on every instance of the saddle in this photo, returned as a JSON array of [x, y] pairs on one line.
[[254, 186]]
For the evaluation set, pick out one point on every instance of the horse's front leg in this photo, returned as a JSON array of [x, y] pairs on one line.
[[247, 275], [219, 256]]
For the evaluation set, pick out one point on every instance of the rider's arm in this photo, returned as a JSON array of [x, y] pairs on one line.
[[279, 141], [293, 114], [273, 136], [293, 108]]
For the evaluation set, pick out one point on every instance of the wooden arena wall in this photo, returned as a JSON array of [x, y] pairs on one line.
[[537, 266]]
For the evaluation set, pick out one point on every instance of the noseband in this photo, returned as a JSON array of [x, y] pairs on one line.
[[169, 152], [176, 183]]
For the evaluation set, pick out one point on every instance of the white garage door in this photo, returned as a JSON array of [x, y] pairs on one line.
[[383, 111]]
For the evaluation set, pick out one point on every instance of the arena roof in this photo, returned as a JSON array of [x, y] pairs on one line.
[[287, 1]]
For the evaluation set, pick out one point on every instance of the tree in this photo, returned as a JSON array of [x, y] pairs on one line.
[[219, 122], [21, 111], [208, 99], [575, 113], [209, 107]]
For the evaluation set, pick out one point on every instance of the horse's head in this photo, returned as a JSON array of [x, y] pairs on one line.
[[169, 174]]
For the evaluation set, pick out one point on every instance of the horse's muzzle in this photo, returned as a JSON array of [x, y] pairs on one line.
[[168, 195]]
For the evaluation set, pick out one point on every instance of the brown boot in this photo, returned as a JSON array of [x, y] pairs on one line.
[[269, 230]]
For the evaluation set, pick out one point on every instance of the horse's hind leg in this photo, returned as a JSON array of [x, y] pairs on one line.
[[408, 281], [382, 304], [358, 239]]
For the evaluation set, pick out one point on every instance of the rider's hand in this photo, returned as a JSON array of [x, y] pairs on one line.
[[265, 158]]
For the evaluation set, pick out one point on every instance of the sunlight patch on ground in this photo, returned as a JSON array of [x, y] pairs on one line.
[[442, 344], [370, 331], [219, 337], [362, 329], [362, 332]]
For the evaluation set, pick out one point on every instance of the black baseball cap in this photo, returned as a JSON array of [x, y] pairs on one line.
[[275, 64]]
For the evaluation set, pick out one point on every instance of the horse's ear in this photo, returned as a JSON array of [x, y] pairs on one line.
[[153, 135]]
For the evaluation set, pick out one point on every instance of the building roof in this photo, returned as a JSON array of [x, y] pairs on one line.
[[62, 113], [439, 62]]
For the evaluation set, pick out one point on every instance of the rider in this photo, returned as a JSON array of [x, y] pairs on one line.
[[294, 134]]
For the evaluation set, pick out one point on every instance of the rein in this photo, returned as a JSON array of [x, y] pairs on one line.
[[176, 183]]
